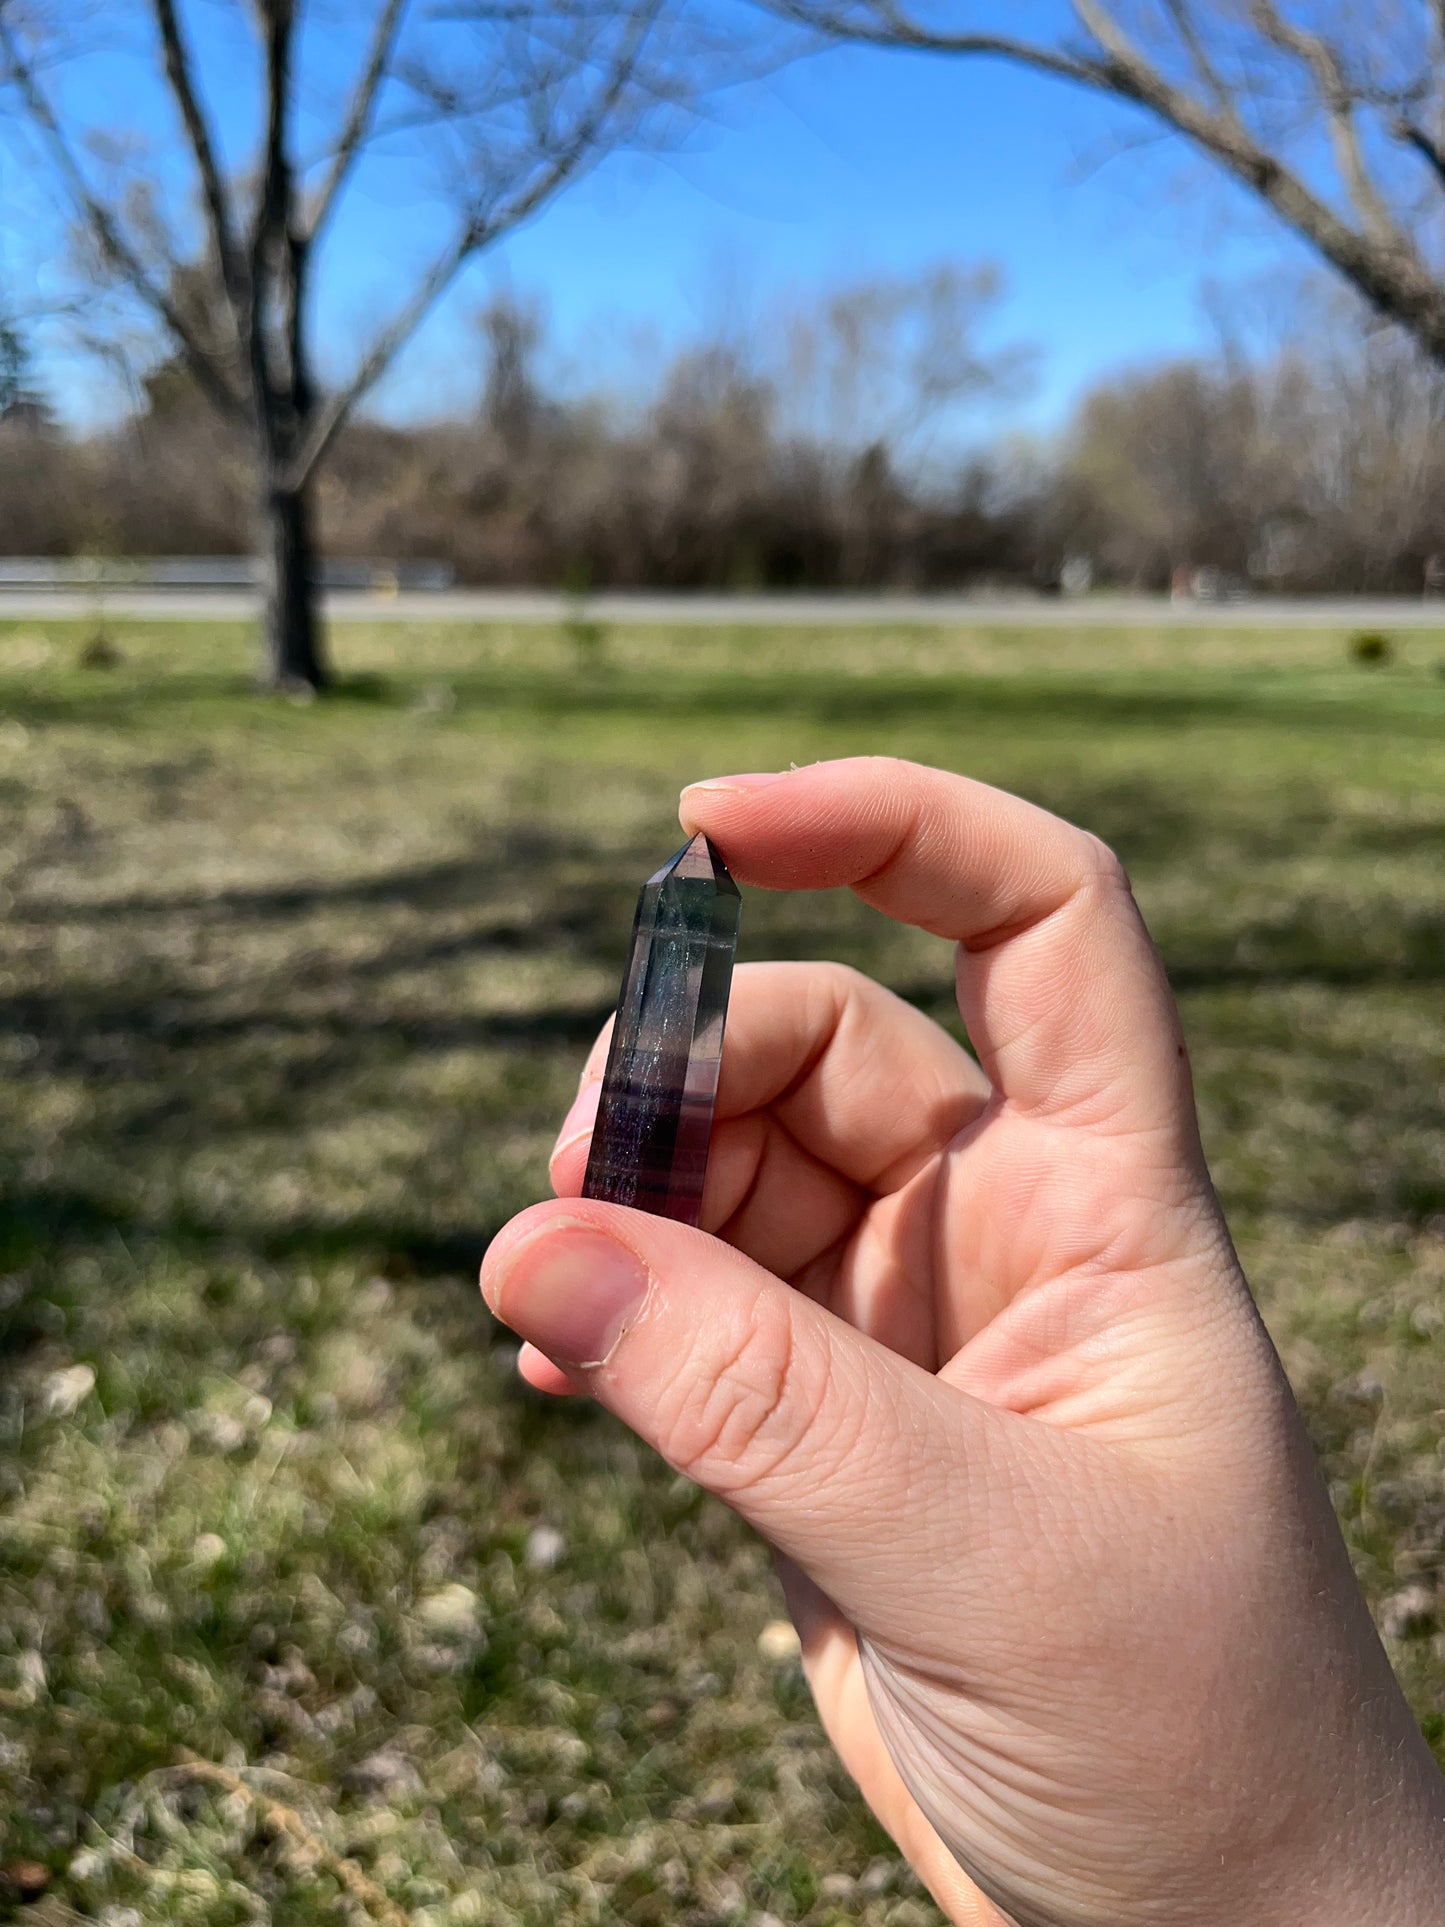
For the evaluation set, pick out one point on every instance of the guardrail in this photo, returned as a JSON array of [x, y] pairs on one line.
[[99, 573]]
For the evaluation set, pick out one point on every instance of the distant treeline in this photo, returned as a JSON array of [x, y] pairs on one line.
[[808, 454]]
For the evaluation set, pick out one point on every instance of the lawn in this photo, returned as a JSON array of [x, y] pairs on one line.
[[307, 1607]]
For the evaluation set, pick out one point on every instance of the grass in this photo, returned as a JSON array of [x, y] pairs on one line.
[[304, 1605]]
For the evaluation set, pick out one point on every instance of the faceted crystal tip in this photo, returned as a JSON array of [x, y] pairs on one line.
[[698, 862]]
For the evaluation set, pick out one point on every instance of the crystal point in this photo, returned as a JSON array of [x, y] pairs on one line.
[[654, 1121]]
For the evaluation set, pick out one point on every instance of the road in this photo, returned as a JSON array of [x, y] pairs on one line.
[[770, 611]]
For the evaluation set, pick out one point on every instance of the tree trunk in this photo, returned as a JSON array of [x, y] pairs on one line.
[[294, 654]]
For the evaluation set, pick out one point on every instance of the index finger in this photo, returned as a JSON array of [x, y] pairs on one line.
[[860, 1079], [1060, 987], [834, 1095]]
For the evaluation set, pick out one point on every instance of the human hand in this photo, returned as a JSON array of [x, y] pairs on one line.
[[970, 1346]]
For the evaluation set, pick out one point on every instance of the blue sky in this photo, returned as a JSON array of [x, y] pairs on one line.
[[841, 165], [1109, 241]]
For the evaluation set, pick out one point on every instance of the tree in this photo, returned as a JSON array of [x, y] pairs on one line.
[[1170, 467], [1330, 112], [508, 102], [511, 399], [13, 364]]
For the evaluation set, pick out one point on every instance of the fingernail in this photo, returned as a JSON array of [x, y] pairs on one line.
[[581, 1118], [571, 1292], [754, 780]]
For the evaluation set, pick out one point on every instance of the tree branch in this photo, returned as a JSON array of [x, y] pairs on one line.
[[105, 230], [358, 117], [1186, 26], [1382, 265], [894, 28], [332, 414], [277, 19], [1338, 98], [475, 235], [1386, 269], [275, 341], [213, 192], [1124, 57], [1411, 134]]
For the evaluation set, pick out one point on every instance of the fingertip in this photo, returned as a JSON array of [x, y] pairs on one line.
[[567, 1167], [543, 1375], [568, 1162], [812, 826], [703, 802], [531, 1222], [564, 1278]]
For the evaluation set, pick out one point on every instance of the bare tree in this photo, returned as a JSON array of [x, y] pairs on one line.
[[506, 102], [1331, 112], [886, 362], [13, 363]]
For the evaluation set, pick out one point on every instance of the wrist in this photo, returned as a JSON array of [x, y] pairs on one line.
[[1385, 1863]]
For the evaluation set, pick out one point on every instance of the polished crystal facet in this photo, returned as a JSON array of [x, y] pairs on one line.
[[649, 1145]]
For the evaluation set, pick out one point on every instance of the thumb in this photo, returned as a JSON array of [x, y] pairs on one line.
[[886, 1485]]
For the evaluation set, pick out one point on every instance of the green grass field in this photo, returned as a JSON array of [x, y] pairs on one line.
[[307, 1608]]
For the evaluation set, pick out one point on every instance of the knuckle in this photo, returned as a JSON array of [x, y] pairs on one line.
[[1102, 865], [839, 984], [747, 1410]]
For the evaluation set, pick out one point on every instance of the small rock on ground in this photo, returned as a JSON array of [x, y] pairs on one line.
[[546, 1549], [779, 1642]]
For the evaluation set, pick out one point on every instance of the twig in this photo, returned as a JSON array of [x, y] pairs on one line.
[[275, 1814], [280, 1818]]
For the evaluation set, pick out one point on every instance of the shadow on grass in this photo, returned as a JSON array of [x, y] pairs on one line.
[[44, 1226], [1316, 948], [515, 856], [98, 1036], [44, 1220]]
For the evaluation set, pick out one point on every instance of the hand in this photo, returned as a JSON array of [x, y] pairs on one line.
[[971, 1347]]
